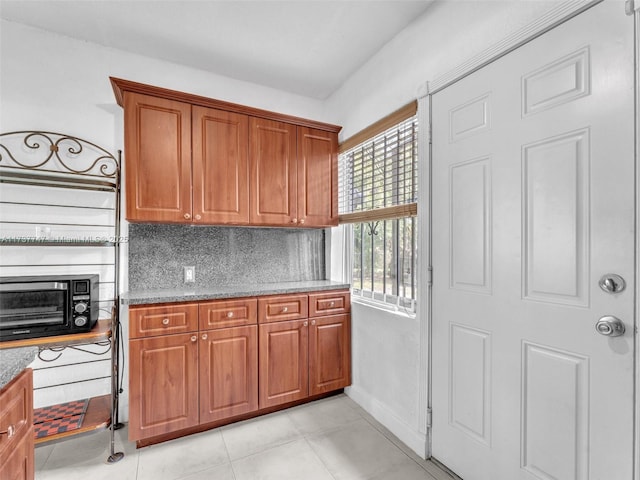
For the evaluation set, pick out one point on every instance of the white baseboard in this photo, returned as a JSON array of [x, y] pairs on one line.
[[415, 440]]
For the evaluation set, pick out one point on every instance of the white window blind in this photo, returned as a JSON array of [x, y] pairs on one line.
[[381, 172]]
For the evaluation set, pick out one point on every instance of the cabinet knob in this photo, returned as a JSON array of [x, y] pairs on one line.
[[204, 336], [165, 321], [295, 220], [306, 324], [313, 322], [194, 338], [198, 217], [187, 216], [302, 221], [10, 432], [285, 309], [332, 304], [229, 314]]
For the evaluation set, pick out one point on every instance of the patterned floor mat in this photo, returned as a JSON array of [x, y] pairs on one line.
[[59, 418]]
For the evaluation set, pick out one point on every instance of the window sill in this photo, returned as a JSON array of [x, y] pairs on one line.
[[382, 306]]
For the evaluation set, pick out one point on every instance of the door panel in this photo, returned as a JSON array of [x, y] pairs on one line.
[[317, 177], [533, 201], [272, 154], [284, 362], [220, 166], [228, 372], [158, 164], [329, 353], [163, 385]]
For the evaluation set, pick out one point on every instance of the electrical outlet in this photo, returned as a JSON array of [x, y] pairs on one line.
[[189, 274]]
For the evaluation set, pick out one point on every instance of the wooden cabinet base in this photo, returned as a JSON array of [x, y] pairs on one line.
[[208, 426]]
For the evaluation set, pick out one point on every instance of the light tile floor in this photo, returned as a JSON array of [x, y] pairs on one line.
[[330, 439]]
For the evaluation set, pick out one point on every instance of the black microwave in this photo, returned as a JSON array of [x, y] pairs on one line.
[[42, 306]]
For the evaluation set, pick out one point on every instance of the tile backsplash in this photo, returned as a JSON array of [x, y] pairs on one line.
[[222, 255]]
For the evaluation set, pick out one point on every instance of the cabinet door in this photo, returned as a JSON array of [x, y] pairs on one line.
[[329, 354], [220, 166], [317, 178], [18, 464], [157, 136], [228, 372], [284, 363], [163, 385], [16, 425], [272, 155]]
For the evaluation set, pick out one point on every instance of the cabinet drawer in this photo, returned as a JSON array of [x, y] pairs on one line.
[[329, 303], [162, 320], [16, 414], [283, 307], [228, 313]]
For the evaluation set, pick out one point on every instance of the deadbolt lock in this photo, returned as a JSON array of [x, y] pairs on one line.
[[612, 283]]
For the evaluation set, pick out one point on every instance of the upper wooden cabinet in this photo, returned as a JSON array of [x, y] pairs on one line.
[[157, 142], [317, 197], [272, 150], [167, 180], [192, 159], [220, 166]]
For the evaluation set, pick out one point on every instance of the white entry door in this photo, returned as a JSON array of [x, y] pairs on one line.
[[533, 202]]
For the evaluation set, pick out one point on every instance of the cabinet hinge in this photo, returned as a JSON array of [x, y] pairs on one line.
[[429, 276], [630, 7], [429, 417]]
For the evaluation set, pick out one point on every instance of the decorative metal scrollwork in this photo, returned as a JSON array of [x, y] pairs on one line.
[[56, 153], [372, 228]]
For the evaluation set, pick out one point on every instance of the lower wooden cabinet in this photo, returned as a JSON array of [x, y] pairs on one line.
[[228, 372], [16, 428], [329, 354], [242, 356], [163, 384], [284, 362]]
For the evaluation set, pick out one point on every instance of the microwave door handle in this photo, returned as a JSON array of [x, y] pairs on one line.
[[32, 286]]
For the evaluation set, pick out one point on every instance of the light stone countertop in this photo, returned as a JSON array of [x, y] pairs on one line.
[[13, 361], [151, 296]]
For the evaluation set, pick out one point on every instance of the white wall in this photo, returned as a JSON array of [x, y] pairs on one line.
[[388, 348], [385, 371], [52, 82]]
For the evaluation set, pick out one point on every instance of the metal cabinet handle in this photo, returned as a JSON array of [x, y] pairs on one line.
[[204, 336], [302, 221], [187, 216], [295, 220], [285, 309], [165, 321], [194, 338], [313, 322], [306, 324], [229, 314], [198, 217], [10, 432], [331, 304]]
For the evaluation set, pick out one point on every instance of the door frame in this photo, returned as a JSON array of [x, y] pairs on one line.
[[553, 18]]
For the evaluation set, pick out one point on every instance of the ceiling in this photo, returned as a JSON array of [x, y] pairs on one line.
[[306, 47]]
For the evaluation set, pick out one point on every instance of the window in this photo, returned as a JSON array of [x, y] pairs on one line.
[[378, 194]]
